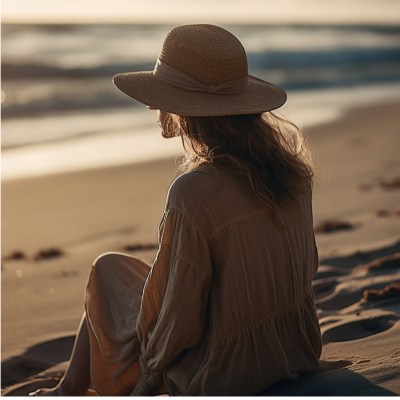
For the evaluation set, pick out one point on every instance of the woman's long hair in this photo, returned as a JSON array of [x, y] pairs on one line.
[[268, 150]]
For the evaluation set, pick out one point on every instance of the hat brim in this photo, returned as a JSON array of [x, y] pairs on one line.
[[260, 96]]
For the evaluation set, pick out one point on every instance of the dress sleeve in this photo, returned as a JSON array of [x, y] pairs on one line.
[[173, 313]]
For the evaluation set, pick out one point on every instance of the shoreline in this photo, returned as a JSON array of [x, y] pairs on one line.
[[83, 214], [133, 134]]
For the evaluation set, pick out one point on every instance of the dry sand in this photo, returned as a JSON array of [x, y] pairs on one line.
[[53, 228]]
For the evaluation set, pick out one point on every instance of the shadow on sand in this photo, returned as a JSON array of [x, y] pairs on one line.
[[36, 359], [360, 257], [334, 379]]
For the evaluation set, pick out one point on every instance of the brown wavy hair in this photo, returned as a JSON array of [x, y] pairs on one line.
[[268, 150]]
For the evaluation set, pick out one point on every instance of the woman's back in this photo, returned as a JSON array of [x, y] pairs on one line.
[[260, 319]]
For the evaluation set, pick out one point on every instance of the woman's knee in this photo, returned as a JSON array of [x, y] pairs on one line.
[[112, 259], [105, 260]]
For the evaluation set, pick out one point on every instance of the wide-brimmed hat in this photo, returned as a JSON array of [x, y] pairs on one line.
[[201, 71]]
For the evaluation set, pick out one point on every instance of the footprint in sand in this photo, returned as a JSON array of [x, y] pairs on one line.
[[390, 293], [382, 265], [323, 287], [365, 282], [328, 271], [345, 294], [358, 329]]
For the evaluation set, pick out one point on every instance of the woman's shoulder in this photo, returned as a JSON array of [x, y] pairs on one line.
[[194, 188]]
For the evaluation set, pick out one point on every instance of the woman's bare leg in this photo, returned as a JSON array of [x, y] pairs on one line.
[[76, 379]]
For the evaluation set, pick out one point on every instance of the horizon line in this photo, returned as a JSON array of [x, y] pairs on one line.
[[155, 21]]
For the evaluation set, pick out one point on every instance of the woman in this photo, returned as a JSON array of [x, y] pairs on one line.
[[227, 307]]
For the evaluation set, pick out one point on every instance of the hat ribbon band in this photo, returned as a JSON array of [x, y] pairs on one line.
[[176, 78]]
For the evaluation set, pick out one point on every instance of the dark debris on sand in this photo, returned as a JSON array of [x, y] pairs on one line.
[[15, 255], [390, 184], [140, 247], [47, 254], [383, 213], [333, 226], [365, 187]]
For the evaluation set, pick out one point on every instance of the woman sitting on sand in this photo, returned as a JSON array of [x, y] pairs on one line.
[[227, 307]]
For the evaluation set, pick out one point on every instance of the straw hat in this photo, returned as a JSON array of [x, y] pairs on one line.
[[201, 71]]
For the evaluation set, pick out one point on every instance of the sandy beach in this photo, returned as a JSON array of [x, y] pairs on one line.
[[54, 226]]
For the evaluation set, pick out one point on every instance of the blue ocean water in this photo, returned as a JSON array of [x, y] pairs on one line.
[[56, 79], [50, 68]]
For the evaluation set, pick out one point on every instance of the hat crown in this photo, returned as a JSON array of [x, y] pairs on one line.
[[207, 53]]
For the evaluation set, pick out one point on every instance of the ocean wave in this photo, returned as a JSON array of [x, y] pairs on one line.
[[87, 90], [265, 60], [51, 69], [12, 71]]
